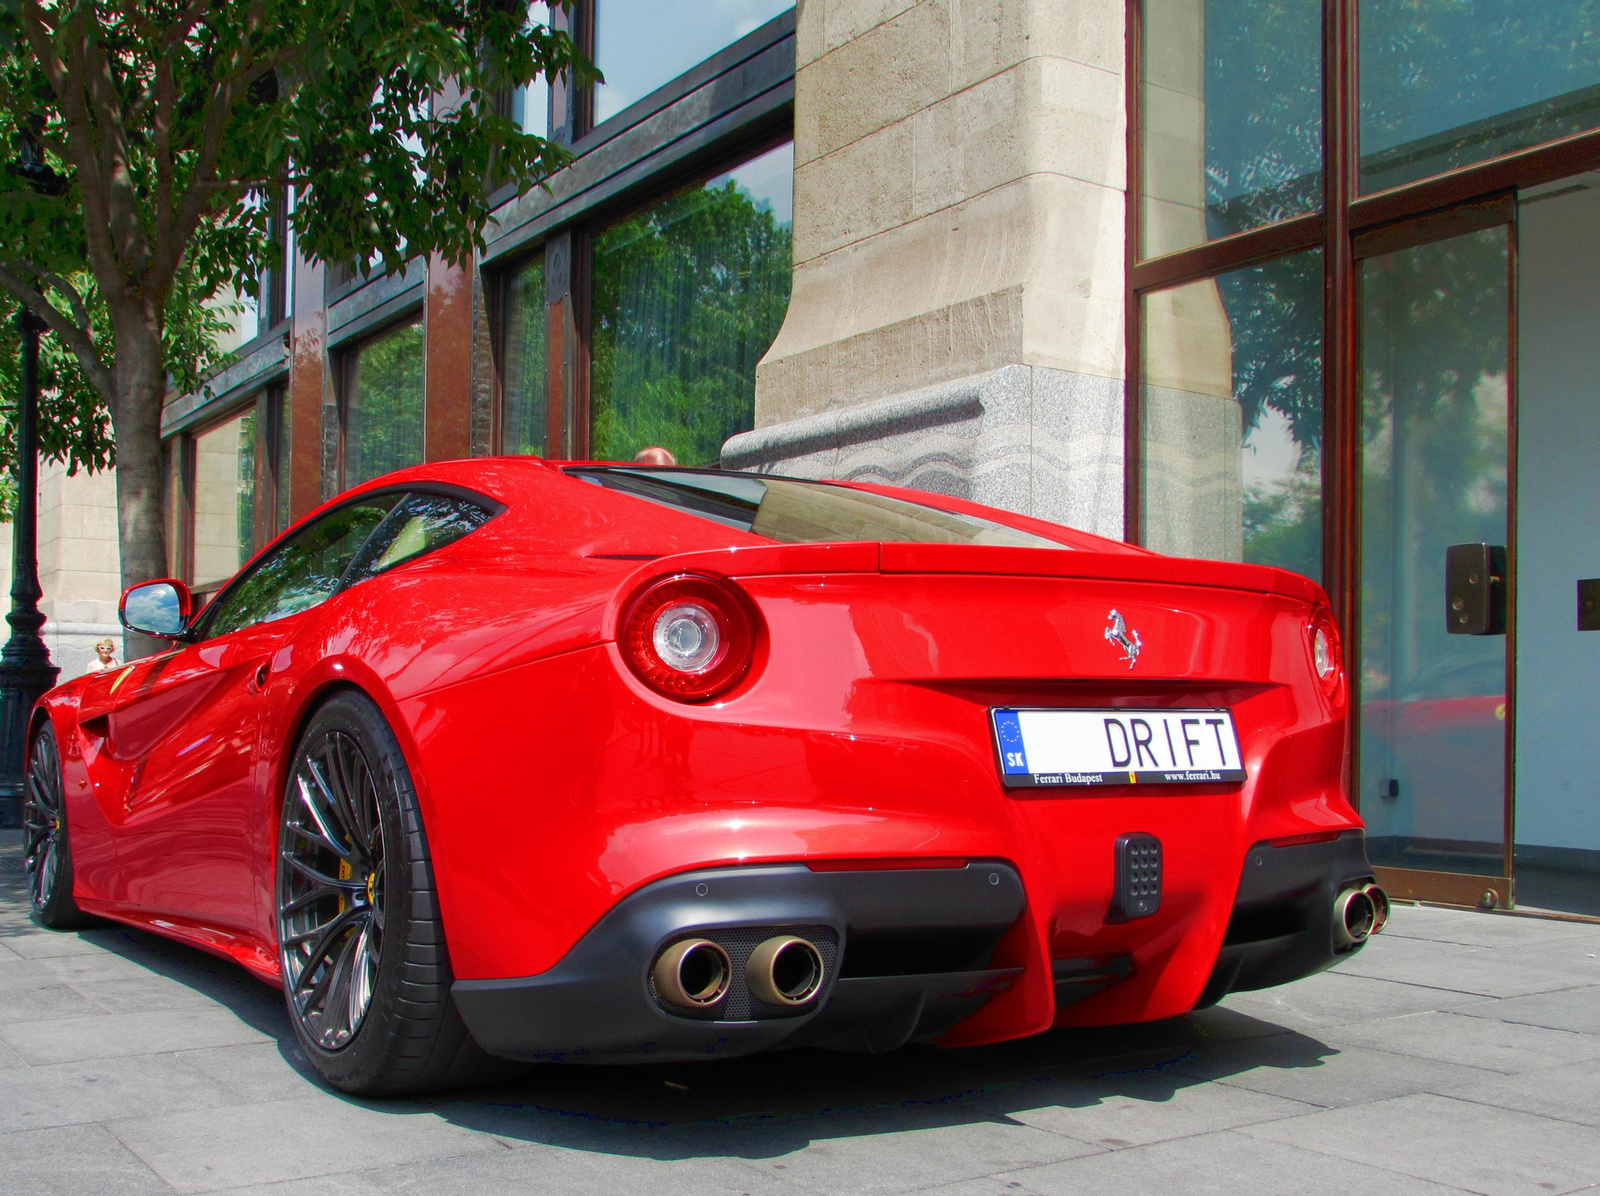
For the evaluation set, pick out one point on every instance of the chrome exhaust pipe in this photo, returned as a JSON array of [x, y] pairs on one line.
[[693, 974], [1353, 917], [785, 970], [1380, 907]]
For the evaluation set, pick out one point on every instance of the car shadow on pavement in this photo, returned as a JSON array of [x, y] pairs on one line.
[[764, 1106], [760, 1106]]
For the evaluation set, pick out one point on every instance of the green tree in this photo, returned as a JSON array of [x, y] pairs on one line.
[[168, 120], [74, 422]]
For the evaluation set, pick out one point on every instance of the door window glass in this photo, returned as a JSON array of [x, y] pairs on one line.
[[419, 525], [688, 296], [1232, 117], [1446, 83], [1231, 416], [302, 571], [1435, 410]]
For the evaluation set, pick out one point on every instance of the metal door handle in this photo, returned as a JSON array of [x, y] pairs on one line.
[[1475, 589]]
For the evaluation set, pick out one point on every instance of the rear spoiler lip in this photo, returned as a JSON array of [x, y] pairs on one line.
[[759, 560]]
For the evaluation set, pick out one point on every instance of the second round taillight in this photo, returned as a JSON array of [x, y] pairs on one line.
[[1326, 653], [689, 637]]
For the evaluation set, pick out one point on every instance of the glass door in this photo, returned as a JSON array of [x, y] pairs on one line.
[[1436, 416]]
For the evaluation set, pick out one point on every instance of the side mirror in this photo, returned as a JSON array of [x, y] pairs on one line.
[[160, 608]]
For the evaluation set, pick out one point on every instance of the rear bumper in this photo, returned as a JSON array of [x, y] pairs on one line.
[[1281, 928], [907, 954]]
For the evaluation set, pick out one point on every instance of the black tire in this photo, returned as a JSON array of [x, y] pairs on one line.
[[47, 852], [357, 917]]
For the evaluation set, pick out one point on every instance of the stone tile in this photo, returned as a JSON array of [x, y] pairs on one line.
[[109, 1035], [72, 1093], [314, 1135], [138, 994], [1482, 1149], [1470, 1041], [80, 1160], [1141, 1111], [1337, 998], [257, 1071], [353, 1184], [1483, 971], [987, 1185], [1575, 1009], [29, 1000], [583, 1173], [1224, 1164], [1476, 928], [52, 944], [845, 1155], [1569, 1093], [9, 1058], [102, 965], [1327, 1076]]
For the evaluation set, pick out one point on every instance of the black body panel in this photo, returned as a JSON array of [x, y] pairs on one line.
[[908, 953], [1282, 923]]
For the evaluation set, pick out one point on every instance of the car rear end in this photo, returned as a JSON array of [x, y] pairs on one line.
[[962, 790]]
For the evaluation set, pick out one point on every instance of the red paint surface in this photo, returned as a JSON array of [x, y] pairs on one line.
[[553, 782]]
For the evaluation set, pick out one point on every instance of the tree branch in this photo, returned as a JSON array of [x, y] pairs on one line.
[[77, 338], [174, 234], [38, 32], [116, 160]]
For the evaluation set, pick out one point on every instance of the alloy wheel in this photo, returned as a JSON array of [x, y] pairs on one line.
[[41, 819], [330, 889]]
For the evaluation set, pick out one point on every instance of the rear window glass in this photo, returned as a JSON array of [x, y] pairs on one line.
[[795, 512]]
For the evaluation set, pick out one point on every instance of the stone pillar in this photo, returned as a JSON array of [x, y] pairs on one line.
[[79, 565], [956, 320]]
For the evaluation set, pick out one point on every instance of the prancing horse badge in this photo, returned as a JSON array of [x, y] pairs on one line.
[[1124, 637]]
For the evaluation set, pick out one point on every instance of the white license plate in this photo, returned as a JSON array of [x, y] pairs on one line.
[[1115, 747]]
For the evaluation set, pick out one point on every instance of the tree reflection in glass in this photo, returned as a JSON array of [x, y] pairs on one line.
[[688, 296], [1446, 83], [1232, 416], [1435, 412]]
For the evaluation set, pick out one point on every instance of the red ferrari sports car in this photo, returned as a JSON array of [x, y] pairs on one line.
[[515, 759]]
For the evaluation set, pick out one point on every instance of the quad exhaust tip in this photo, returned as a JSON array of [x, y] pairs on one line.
[[1358, 914], [785, 970], [693, 974]]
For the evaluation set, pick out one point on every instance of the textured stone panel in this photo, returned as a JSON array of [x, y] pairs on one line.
[[1193, 492], [1032, 440]]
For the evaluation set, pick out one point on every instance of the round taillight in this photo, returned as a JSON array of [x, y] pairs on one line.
[[1326, 656], [690, 638]]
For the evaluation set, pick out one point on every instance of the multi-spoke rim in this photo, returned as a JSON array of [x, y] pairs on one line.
[[330, 890], [41, 821]]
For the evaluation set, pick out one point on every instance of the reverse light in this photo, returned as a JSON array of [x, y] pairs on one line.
[[1326, 653], [691, 638]]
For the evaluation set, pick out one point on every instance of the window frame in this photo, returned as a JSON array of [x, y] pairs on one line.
[[1349, 227], [1347, 217], [569, 270]]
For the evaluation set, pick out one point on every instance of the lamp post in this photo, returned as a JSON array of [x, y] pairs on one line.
[[25, 668]]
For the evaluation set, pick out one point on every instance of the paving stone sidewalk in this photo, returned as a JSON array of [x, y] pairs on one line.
[[1459, 1053]]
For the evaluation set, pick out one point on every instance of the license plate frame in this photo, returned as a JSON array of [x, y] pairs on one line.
[[1055, 747]]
